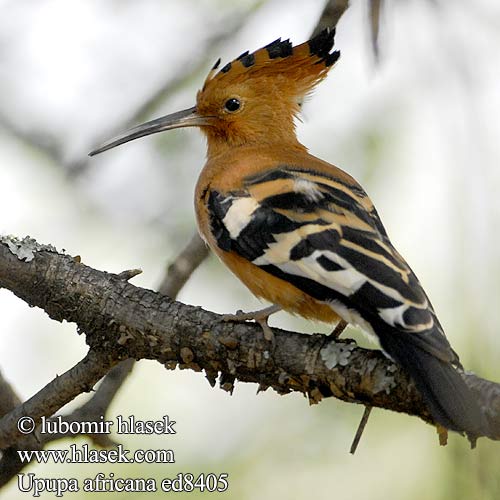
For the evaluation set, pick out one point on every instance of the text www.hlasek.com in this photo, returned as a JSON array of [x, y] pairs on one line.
[[84, 454]]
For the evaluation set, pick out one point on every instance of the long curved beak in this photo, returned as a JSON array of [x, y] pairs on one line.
[[185, 118]]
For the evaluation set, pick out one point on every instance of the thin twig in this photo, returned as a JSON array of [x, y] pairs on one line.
[[181, 269], [374, 13], [361, 428], [332, 12]]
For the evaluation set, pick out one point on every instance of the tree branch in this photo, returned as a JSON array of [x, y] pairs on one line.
[[123, 321], [80, 378], [10, 464], [63, 389], [8, 397], [375, 8], [179, 271], [332, 12]]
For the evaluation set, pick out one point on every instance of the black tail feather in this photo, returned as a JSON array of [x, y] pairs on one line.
[[448, 398]]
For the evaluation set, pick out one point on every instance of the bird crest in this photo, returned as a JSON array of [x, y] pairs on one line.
[[301, 66]]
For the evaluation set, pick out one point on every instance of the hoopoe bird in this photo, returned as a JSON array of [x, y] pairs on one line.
[[301, 233]]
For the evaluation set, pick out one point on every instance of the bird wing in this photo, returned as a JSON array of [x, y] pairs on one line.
[[323, 235]]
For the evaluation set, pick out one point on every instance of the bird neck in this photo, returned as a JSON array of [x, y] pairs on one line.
[[220, 146], [227, 170]]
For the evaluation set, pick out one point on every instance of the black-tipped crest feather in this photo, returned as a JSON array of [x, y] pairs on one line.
[[282, 56], [279, 49], [216, 65], [322, 43]]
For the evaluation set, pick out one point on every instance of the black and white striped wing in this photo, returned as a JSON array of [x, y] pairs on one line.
[[323, 236]]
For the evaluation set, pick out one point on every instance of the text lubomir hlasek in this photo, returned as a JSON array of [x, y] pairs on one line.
[[129, 425]]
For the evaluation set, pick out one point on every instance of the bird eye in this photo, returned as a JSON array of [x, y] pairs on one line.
[[232, 105]]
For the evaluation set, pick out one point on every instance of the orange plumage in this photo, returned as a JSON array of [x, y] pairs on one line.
[[300, 232]]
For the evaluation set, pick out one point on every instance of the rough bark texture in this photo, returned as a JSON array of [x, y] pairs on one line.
[[123, 321]]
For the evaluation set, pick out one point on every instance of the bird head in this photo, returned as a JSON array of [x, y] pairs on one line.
[[253, 99]]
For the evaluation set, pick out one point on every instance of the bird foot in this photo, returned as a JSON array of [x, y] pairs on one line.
[[259, 317]]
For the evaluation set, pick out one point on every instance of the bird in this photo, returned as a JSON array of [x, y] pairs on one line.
[[300, 232]]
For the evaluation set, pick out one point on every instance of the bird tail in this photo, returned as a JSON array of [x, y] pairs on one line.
[[451, 403]]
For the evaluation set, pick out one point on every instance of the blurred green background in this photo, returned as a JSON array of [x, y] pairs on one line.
[[419, 129]]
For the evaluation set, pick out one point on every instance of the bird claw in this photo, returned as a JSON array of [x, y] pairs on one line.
[[259, 317], [239, 316], [266, 329]]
